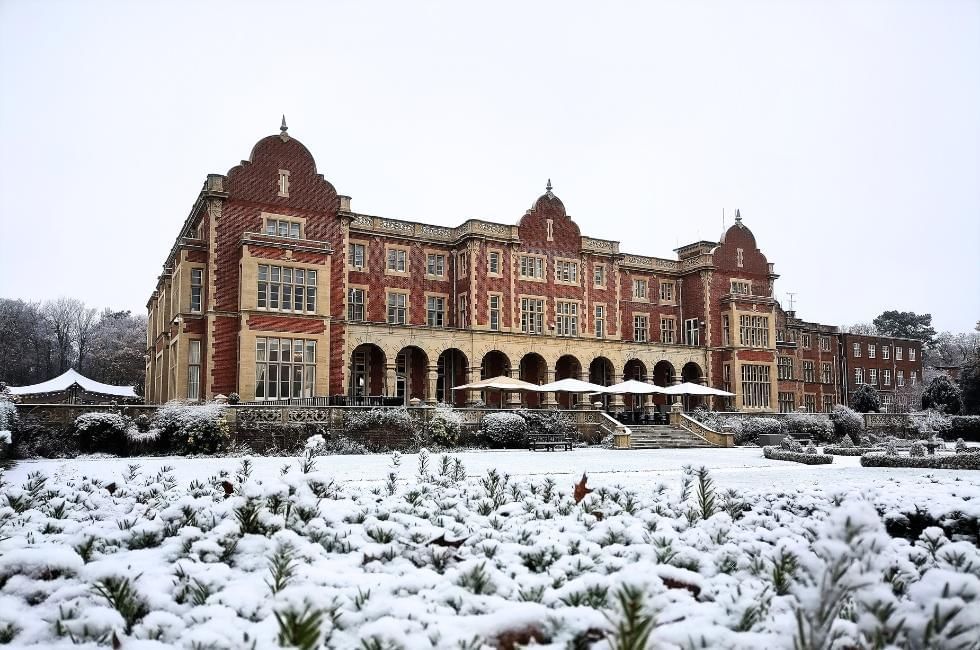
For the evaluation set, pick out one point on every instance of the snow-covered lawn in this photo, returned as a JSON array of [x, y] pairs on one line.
[[348, 552]]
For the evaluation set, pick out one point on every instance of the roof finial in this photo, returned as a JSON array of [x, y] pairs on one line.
[[283, 128], [738, 216], [548, 186]]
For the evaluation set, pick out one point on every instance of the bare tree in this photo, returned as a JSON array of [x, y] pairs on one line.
[[61, 315], [863, 329], [84, 320]]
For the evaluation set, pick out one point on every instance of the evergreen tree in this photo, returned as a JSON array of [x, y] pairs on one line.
[[906, 325], [943, 395], [866, 399]]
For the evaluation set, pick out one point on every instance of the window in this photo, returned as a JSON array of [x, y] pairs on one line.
[[532, 315], [435, 311], [828, 373], [600, 321], [397, 308], [825, 344], [355, 304], [532, 267], [494, 300], [784, 368], [787, 402], [461, 309], [283, 182], [666, 330], [755, 386], [885, 352], [871, 351], [741, 287], [828, 403], [692, 333], [857, 350], [887, 403], [805, 341], [859, 376], [913, 377], [810, 402], [899, 377], [284, 368], [898, 353], [599, 275], [666, 292], [197, 279], [194, 370], [566, 272], [397, 260], [286, 289], [640, 328], [566, 318], [873, 376], [461, 265], [726, 335], [911, 354], [435, 265], [282, 228], [639, 289], [754, 331], [886, 377], [355, 254], [808, 374], [493, 263]]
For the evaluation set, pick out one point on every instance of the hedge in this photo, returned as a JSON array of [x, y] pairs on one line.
[[944, 461], [775, 453], [848, 451], [966, 427]]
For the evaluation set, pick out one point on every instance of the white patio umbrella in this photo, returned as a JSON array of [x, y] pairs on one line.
[[633, 387], [502, 383], [570, 385], [688, 388]]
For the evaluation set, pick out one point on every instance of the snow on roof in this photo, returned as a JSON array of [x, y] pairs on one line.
[[65, 381]]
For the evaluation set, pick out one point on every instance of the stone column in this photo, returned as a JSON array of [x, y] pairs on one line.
[[471, 395], [548, 399], [678, 404], [432, 377], [514, 399], [581, 400], [390, 375]]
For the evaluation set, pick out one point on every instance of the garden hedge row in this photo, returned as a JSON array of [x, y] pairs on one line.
[[775, 453], [944, 461], [848, 451], [966, 427]]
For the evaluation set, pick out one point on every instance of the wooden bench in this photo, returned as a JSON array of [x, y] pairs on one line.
[[549, 441]]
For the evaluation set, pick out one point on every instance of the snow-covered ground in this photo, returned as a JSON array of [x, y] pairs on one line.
[[355, 543]]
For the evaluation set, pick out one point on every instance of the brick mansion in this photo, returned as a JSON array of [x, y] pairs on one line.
[[276, 289]]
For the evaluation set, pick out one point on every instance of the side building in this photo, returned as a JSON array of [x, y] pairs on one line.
[[893, 366], [276, 289]]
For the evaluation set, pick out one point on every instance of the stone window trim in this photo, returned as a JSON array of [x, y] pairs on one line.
[[364, 289], [464, 316], [389, 248], [194, 357], [500, 312], [635, 287], [578, 324], [805, 341], [500, 262], [740, 287], [599, 271], [641, 317], [462, 262], [350, 262], [445, 263], [531, 278], [408, 305], [445, 307], [670, 331], [268, 217], [283, 183], [544, 313], [198, 295], [574, 266], [603, 331], [668, 287], [310, 290]]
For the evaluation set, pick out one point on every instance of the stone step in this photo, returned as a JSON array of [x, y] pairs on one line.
[[664, 436]]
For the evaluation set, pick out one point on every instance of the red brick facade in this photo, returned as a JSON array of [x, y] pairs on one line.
[[286, 292]]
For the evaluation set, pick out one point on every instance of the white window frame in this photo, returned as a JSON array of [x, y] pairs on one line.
[[532, 315], [668, 328], [566, 318], [197, 290], [356, 302], [494, 311], [397, 304], [600, 321], [194, 369], [641, 328], [692, 331], [435, 311], [641, 289]]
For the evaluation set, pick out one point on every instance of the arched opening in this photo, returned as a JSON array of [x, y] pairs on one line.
[[634, 369], [602, 372], [366, 373], [411, 369], [533, 369], [691, 372], [495, 363], [663, 375], [451, 372], [567, 366]]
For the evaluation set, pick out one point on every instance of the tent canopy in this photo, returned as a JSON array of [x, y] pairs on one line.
[[570, 385], [687, 388], [633, 387], [70, 378], [503, 382]]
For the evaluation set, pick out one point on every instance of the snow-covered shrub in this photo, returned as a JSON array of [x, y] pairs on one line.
[[866, 399], [6, 440], [779, 453], [396, 421], [966, 427], [36, 438], [938, 461], [234, 398], [103, 432], [943, 395], [8, 415], [789, 443], [960, 445], [753, 427], [504, 429], [811, 448], [928, 423], [718, 422], [815, 425], [917, 449], [192, 428], [891, 447], [841, 450], [549, 422], [445, 425], [847, 424]]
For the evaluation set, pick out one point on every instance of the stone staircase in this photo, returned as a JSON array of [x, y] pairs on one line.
[[664, 436]]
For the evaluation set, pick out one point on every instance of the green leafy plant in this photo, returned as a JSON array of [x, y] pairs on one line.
[[633, 626], [123, 597]]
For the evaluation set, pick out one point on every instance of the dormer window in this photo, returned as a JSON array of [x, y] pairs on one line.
[[283, 182], [282, 228]]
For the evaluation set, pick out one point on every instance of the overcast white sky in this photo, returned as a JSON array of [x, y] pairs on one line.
[[848, 133]]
